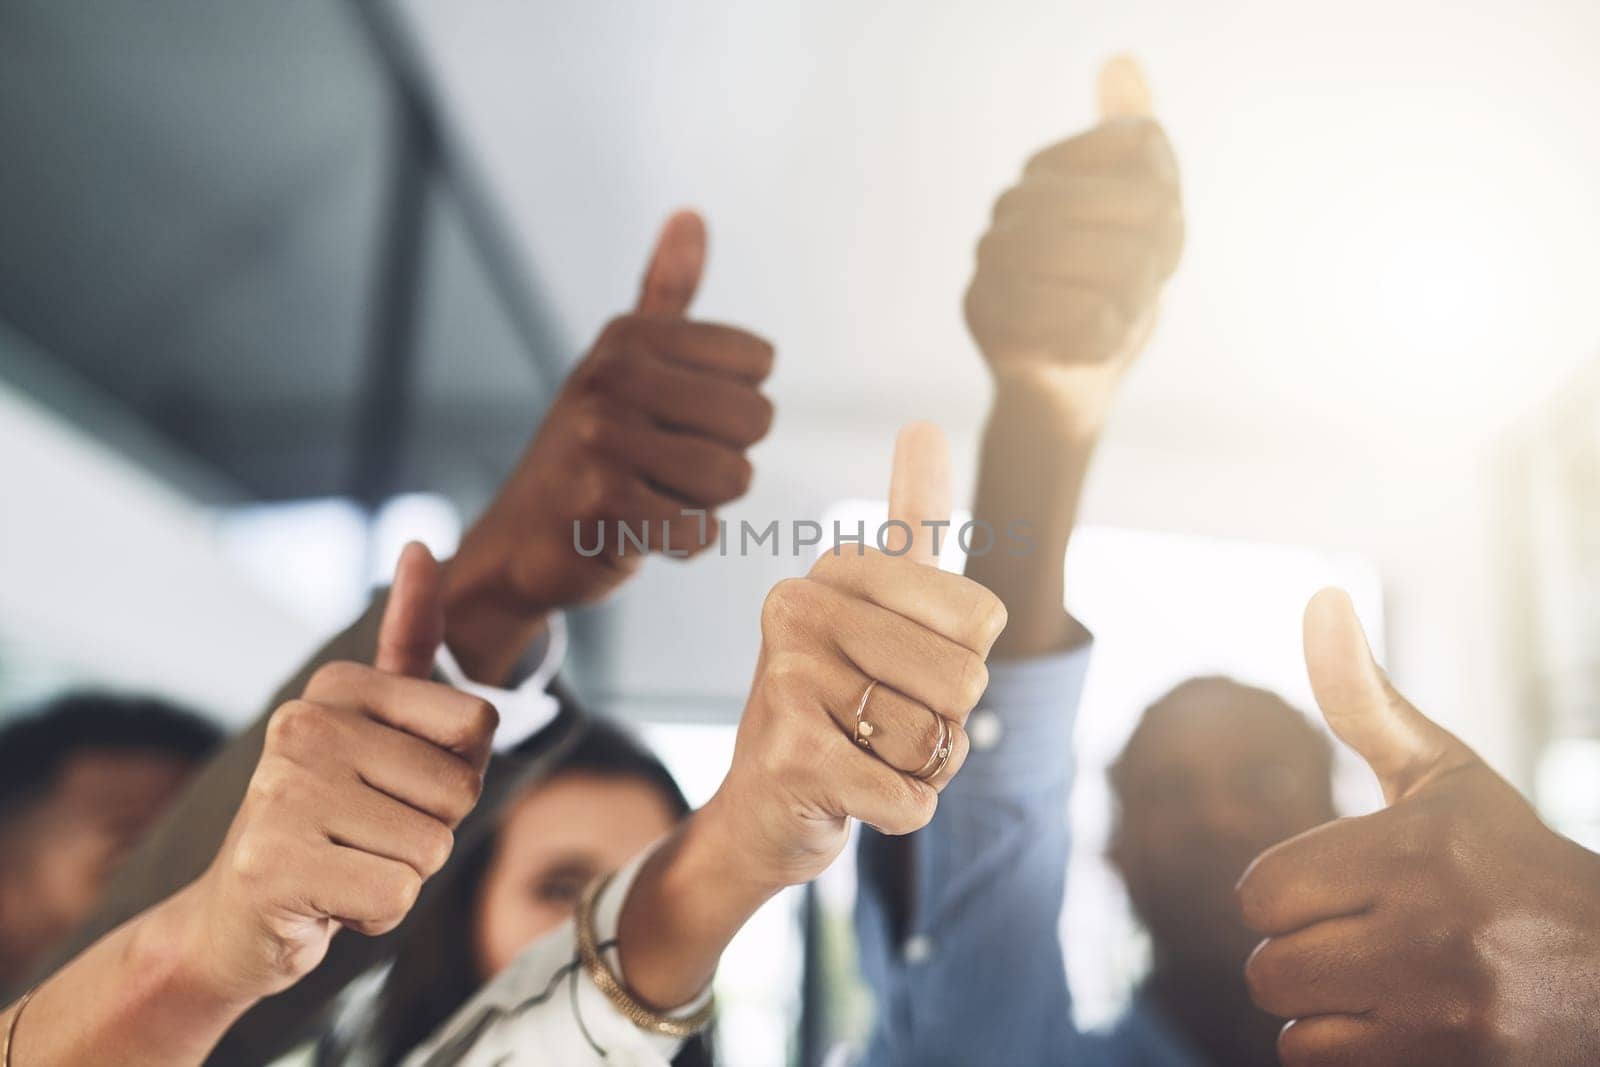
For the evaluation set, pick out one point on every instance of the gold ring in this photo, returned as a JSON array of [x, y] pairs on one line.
[[941, 752], [864, 729]]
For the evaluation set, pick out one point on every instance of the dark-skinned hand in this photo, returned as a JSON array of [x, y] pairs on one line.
[[1452, 927], [656, 419]]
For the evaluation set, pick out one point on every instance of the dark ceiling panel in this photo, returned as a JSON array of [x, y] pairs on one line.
[[192, 203]]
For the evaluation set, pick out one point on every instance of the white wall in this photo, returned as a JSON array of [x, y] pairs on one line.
[[106, 576]]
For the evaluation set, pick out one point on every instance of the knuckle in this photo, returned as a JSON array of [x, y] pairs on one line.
[[830, 565], [462, 790], [296, 725], [756, 419], [437, 848], [972, 681], [615, 334], [766, 354], [991, 249], [915, 811], [1262, 974], [733, 477], [985, 621], [397, 896], [592, 426], [338, 675], [1255, 899], [252, 861], [1293, 1049], [272, 784], [784, 607], [480, 720], [788, 679], [1012, 201]]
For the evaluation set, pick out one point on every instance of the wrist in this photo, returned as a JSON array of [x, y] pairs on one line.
[[176, 945], [1069, 404], [488, 627], [722, 842], [690, 898], [174, 985]]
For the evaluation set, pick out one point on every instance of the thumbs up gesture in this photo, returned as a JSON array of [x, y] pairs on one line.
[[1451, 927], [655, 420], [1071, 267], [869, 666], [351, 806]]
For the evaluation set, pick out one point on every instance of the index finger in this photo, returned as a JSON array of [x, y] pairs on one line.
[[951, 605], [711, 346], [1324, 873], [455, 721], [919, 492]]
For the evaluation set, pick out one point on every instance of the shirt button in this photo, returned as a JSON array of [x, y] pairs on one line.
[[984, 729], [918, 949]]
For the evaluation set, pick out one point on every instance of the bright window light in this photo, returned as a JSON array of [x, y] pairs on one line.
[[319, 559]]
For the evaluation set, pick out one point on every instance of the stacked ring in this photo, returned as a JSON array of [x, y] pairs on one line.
[[941, 752], [863, 735]]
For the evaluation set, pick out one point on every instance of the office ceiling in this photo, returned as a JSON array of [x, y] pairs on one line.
[[1394, 239], [194, 200]]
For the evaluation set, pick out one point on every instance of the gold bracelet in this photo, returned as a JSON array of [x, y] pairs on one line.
[[11, 1031], [606, 980]]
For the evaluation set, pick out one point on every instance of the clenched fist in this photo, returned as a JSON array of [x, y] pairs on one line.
[[1070, 270], [921, 634], [351, 806], [656, 419], [1453, 927]]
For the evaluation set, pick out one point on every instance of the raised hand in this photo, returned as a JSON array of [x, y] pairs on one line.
[[1070, 270], [656, 419], [918, 638], [351, 806], [1452, 927], [922, 635]]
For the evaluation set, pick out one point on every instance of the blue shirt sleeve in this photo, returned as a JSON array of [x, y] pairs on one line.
[[968, 968]]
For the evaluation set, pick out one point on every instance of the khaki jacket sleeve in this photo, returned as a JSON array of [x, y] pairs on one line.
[[184, 841]]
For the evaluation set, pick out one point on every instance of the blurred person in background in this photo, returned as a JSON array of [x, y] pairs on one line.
[[602, 802], [1214, 774], [81, 780]]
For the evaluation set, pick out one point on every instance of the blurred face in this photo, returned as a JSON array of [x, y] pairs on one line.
[[1206, 785], [67, 849], [556, 839]]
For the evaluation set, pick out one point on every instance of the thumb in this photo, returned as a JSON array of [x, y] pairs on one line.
[[919, 490], [675, 266], [413, 618], [1404, 748], [1122, 90]]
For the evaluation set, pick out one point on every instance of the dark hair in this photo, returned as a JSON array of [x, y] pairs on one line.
[[1234, 694], [35, 747], [435, 972]]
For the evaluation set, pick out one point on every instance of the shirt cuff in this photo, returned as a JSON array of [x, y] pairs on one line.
[[528, 708], [1021, 731]]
